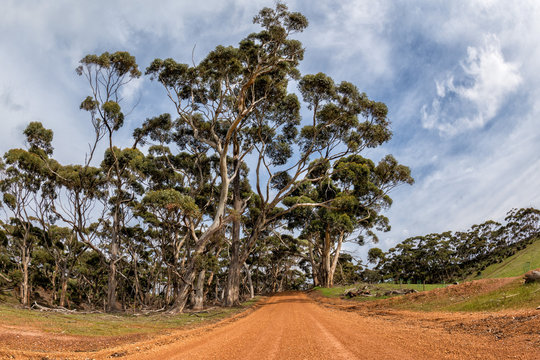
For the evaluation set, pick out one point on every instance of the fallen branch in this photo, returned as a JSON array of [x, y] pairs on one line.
[[59, 309], [149, 311], [62, 310]]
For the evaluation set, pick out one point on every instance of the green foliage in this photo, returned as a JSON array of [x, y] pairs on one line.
[[522, 261], [121, 63], [10, 200], [453, 255], [170, 200], [39, 138]]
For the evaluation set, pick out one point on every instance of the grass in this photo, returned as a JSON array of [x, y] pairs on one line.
[[333, 292], [337, 291], [513, 296], [110, 324], [515, 265]]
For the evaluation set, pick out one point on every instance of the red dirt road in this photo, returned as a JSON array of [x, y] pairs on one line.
[[295, 326]]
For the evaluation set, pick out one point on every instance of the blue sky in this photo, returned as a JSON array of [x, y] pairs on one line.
[[460, 79]]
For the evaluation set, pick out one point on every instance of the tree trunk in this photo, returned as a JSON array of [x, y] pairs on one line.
[[64, 280], [111, 287], [314, 268], [138, 293], [25, 290], [184, 289], [198, 295], [335, 260], [168, 286], [250, 282], [216, 295], [232, 293], [325, 276], [54, 282]]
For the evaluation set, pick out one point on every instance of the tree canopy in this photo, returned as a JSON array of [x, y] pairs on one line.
[[252, 185]]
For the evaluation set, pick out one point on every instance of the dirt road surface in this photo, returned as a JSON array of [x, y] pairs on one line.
[[295, 326]]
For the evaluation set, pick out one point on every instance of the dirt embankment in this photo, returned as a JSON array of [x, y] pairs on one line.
[[296, 326]]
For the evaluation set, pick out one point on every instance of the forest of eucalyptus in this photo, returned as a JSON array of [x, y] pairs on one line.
[[246, 189]]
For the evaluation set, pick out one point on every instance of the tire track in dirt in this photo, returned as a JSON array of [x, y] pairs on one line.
[[341, 351]]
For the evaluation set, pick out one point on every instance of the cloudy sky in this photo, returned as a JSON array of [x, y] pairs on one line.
[[460, 78]]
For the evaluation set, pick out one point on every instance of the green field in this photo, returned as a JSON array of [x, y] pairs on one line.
[[515, 265]]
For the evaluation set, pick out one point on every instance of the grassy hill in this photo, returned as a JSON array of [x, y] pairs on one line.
[[480, 295], [515, 265]]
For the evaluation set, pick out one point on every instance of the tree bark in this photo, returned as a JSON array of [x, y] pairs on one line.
[[232, 293], [112, 283], [198, 295], [64, 281], [25, 290], [54, 282], [335, 260], [314, 267], [250, 282], [325, 276]]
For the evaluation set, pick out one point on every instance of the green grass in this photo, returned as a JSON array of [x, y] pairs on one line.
[[513, 296], [515, 265], [417, 287], [333, 292], [109, 324], [338, 291]]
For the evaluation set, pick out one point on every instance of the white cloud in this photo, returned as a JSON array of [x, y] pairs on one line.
[[354, 32], [473, 96]]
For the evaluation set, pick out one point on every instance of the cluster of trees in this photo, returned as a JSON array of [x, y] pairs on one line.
[[178, 218], [445, 257]]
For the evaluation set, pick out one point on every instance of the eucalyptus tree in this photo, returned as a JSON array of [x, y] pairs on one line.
[[7, 266], [216, 101], [164, 211], [357, 192], [449, 255], [522, 224], [107, 74], [236, 102], [65, 248], [290, 150], [24, 185], [349, 270], [181, 198]]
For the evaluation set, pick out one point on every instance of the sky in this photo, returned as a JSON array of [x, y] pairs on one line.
[[460, 79]]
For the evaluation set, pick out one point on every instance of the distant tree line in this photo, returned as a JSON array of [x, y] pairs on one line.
[[178, 218], [450, 256]]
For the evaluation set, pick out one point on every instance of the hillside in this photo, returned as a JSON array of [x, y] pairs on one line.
[[515, 265]]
